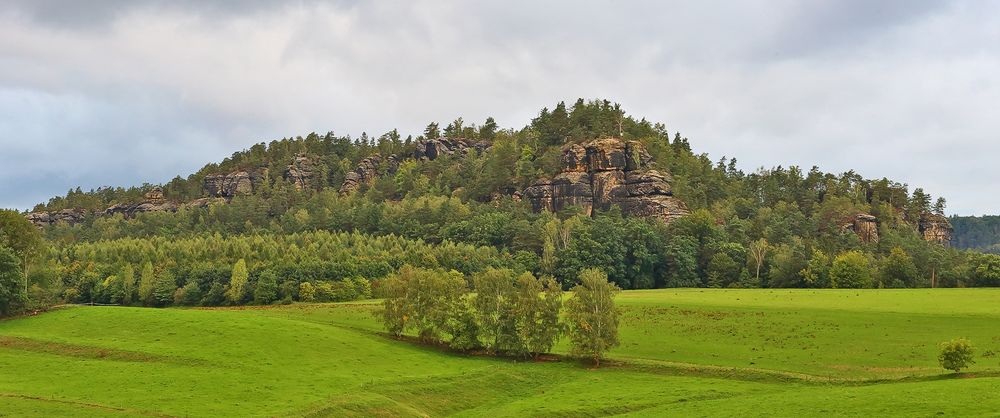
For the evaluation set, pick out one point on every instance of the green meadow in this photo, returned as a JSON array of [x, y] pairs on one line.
[[688, 352]]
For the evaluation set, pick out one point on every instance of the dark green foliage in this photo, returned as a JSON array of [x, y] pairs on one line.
[[266, 290], [12, 294], [776, 227]]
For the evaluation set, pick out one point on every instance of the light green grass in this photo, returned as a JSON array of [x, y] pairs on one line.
[[685, 352]]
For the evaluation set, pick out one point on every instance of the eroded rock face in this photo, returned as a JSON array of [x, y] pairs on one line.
[[233, 184], [431, 149], [572, 189], [935, 228], [607, 172], [302, 172], [865, 226], [69, 216], [153, 201], [367, 171]]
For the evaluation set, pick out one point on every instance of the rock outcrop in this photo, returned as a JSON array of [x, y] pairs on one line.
[[607, 172], [431, 149], [302, 172], [153, 201], [865, 226], [234, 184], [935, 228], [367, 171], [69, 216]]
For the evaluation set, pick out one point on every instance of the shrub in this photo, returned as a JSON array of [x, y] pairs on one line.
[[956, 354]]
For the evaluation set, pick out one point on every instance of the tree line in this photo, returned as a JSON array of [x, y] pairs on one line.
[[500, 312]]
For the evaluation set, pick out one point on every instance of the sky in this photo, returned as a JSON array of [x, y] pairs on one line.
[[126, 92]]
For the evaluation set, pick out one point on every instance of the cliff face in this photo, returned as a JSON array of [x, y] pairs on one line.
[[153, 201], [430, 149], [935, 228], [607, 172], [228, 185], [69, 216], [367, 171], [302, 172], [865, 226]]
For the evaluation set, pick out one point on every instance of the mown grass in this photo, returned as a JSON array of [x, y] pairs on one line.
[[685, 352]]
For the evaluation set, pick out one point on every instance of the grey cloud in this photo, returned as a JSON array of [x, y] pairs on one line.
[[122, 93]]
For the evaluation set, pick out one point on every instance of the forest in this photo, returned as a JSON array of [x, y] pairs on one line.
[[301, 238]]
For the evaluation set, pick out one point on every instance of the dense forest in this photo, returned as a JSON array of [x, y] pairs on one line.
[[977, 233], [280, 235]]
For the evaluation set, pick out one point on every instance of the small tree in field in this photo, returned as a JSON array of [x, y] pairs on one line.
[[956, 354], [593, 317]]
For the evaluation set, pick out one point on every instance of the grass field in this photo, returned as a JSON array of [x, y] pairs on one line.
[[684, 353]]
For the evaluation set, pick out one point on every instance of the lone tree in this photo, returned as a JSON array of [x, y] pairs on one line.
[[593, 317], [956, 354]]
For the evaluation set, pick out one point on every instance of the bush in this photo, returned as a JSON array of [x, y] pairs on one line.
[[956, 354]]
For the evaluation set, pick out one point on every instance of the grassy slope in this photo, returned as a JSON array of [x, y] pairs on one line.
[[329, 360]]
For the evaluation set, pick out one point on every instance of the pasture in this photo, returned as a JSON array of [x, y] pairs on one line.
[[685, 352]]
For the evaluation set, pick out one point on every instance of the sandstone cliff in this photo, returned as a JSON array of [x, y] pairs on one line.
[[234, 184], [607, 172], [367, 171], [430, 149], [935, 228], [865, 226], [303, 172], [69, 216]]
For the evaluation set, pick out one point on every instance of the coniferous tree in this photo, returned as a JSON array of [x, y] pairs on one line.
[[238, 283]]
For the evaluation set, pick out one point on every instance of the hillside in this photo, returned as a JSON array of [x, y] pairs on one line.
[[980, 233], [581, 186], [686, 352]]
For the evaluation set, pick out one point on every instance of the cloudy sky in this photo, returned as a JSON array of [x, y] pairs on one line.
[[122, 92]]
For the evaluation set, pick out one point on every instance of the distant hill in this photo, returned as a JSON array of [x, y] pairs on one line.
[[980, 233]]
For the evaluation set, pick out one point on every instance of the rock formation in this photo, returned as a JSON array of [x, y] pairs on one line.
[[302, 172], [607, 172], [367, 171], [865, 226], [430, 149], [233, 184], [935, 228], [153, 201], [69, 216]]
